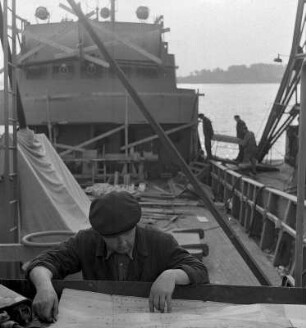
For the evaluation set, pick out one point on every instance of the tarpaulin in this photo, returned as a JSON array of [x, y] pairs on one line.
[[50, 197]]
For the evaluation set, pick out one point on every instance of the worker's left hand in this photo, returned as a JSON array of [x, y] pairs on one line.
[[161, 292]]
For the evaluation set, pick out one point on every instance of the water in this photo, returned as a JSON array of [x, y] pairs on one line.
[[252, 102]]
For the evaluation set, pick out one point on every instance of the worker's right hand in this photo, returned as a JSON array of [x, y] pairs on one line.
[[45, 304]]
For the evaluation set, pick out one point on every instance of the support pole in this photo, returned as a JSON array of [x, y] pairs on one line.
[[113, 10], [172, 151], [126, 126], [301, 184], [7, 224], [20, 110], [49, 123]]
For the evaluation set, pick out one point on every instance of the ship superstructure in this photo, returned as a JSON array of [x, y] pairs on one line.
[[70, 92]]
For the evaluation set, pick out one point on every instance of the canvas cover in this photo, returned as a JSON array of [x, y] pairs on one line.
[[50, 198]]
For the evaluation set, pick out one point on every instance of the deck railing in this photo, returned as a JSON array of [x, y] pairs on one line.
[[267, 215]]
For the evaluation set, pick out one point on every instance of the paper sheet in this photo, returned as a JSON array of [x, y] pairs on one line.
[[87, 309], [202, 218]]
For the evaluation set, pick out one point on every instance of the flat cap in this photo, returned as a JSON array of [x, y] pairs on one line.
[[114, 213]]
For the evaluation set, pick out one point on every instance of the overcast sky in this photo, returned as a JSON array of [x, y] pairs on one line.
[[205, 33]]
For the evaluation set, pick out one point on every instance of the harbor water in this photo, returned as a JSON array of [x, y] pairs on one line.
[[252, 102]]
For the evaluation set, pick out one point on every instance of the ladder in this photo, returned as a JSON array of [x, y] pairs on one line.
[[9, 198]]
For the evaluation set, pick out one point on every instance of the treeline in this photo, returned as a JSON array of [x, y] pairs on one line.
[[256, 73]]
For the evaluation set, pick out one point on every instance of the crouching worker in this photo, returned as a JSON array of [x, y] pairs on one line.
[[115, 248], [249, 147]]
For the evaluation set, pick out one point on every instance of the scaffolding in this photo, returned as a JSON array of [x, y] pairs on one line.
[[9, 198]]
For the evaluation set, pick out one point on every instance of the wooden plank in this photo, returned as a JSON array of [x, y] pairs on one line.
[[62, 146], [225, 138], [66, 49], [185, 239], [155, 136], [170, 202], [211, 292], [34, 50], [88, 142], [127, 43], [159, 210], [76, 52]]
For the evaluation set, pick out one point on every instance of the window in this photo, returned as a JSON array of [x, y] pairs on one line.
[[36, 72], [63, 70]]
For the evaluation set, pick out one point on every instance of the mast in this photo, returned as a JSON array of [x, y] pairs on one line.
[[113, 9]]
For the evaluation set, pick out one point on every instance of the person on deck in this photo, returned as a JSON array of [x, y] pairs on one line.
[[249, 147], [240, 126], [208, 133], [116, 248]]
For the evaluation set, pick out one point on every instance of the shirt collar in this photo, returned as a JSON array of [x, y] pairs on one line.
[[140, 246], [110, 252]]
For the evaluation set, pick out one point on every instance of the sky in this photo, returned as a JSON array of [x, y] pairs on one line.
[[204, 34]]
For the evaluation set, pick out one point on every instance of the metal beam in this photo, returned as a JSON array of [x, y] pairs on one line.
[[173, 152]]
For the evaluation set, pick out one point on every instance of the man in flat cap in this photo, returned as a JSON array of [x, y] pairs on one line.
[[115, 248]]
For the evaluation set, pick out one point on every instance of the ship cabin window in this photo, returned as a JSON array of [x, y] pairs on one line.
[[36, 72], [148, 72], [128, 70], [91, 70], [63, 70]]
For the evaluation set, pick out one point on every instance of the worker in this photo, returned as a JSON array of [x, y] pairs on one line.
[[116, 248], [208, 133], [240, 125], [249, 147]]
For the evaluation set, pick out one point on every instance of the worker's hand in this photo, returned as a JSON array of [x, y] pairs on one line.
[[161, 292], [45, 304]]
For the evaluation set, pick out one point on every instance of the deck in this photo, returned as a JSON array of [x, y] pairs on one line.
[[224, 263]]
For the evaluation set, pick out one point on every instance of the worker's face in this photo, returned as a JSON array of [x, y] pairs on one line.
[[122, 243]]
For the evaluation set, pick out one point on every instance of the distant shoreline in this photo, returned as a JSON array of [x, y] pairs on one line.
[[237, 74]]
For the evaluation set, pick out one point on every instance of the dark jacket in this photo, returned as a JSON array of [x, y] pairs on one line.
[[249, 146], [153, 253], [240, 128], [208, 130]]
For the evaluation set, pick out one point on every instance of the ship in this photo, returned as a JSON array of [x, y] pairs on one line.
[[71, 94], [101, 96]]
